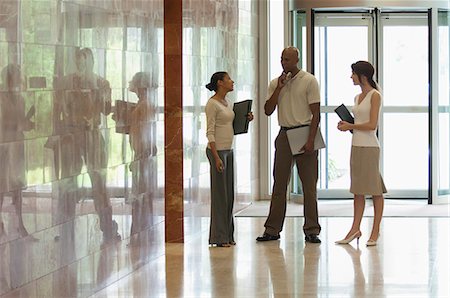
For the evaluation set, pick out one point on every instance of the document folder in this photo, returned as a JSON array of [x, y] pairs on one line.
[[344, 114], [298, 137], [241, 110], [122, 112]]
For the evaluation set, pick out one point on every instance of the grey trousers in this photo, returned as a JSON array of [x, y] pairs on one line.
[[221, 229], [307, 167]]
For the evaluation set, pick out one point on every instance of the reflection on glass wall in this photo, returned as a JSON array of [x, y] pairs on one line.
[[218, 36], [80, 133]]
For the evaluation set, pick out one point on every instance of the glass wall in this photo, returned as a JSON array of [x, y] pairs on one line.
[[81, 141], [340, 39], [404, 63], [218, 36], [397, 44], [444, 105]]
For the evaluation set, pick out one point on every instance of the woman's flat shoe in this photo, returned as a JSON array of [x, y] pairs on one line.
[[356, 235]]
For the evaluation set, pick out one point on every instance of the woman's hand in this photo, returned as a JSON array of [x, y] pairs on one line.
[[219, 165], [344, 126], [250, 116]]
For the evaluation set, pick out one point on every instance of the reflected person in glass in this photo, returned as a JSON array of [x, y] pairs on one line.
[[365, 153], [82, 101], [220, 134], [143, 143], [14, 121]]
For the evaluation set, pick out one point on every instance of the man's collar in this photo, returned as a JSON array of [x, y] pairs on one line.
[[299, 74]]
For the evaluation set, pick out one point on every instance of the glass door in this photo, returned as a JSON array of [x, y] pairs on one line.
[[299, 38], [340, 39], [397, 44], [442, 124], [404, 125]]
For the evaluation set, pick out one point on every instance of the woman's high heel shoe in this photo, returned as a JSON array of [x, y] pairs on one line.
[[356, 235], [372, 242]]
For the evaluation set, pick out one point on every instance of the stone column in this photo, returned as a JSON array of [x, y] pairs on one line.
[[173, 120]]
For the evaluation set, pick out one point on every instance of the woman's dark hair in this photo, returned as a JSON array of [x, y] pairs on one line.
[[218, 76], [364, 68]]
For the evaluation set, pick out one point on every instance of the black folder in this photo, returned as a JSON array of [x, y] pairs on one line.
[[241, 110], [344, 114]]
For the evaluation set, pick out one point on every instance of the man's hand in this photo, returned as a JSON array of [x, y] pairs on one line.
[[308, 147], [272, 102], [282, 80]]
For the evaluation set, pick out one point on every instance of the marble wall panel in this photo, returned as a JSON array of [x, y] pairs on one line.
[[81, 142]]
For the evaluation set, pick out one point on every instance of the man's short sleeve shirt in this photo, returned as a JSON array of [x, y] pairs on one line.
[[295, 98]]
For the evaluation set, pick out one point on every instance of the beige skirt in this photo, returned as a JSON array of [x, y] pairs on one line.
[[365, 172]]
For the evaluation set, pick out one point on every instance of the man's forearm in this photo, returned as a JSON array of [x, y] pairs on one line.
[[315, 110], [272, 102], [314, 126]]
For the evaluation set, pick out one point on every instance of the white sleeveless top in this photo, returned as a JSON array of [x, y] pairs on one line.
[[361, 111]]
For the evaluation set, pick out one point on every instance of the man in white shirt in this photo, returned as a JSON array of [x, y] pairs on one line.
[[296, 93]]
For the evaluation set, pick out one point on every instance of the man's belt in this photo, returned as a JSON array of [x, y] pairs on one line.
[[289, 128]]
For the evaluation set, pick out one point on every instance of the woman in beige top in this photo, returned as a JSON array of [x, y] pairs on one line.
[[220, 134]]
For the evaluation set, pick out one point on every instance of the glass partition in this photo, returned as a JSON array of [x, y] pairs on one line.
[[443, 122], [397, 44], [404, 128], [340, 39]]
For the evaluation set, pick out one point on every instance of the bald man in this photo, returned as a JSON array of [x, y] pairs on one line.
[[296, 96]]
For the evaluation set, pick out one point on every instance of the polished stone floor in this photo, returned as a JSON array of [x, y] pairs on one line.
[[412, 259]]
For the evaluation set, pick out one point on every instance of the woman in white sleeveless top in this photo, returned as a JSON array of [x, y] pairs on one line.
[[365, 154]]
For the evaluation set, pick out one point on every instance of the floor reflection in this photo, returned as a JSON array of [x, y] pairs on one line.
[[292, 268], [289, 267]]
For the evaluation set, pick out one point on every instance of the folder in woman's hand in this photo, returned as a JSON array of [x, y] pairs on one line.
[[344, 114], [241, 110]]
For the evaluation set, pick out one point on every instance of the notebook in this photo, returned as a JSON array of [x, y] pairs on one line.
[[241, 110], [298, 137], [344, 114]]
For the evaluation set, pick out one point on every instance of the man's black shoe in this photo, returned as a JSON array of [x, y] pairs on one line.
[[267, 237], [312, 238]]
